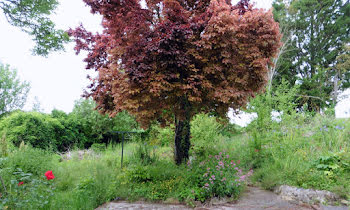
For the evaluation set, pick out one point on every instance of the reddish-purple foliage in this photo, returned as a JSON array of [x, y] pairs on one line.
[[209, 55]]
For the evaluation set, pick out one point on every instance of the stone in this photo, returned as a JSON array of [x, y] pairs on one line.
[[306, 195]]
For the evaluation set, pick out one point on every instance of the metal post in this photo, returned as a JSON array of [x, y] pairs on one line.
[[121, 165]]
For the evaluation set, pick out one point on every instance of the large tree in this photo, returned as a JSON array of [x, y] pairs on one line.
[[170, 59], [32, 17], [13, 92], [317, 31]]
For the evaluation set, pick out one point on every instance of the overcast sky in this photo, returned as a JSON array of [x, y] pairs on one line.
[[58, 80]]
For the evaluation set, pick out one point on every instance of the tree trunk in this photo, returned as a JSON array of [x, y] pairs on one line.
[[182, 135]]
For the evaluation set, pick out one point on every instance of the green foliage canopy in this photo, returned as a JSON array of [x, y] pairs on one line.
[[32, 17], [316, 32]]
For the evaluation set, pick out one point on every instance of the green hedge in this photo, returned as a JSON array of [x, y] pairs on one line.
[[39, 130], [59, 131]]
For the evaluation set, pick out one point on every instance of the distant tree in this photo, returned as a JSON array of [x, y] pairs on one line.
[[13, 92], [37, 105], [284, 68], [175, 58], [32, 17], [317, 31]]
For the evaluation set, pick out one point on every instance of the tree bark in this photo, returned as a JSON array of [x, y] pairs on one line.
[[182, 135]]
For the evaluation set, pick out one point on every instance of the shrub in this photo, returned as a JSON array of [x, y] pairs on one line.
[[96, 127], [72, 134], [162, 136], [36, 129], [204, 132], [215, 176]]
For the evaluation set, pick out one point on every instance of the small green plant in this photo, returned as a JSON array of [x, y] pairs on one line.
[[96, 147], [333, 164], [3, 146], [145, 154]]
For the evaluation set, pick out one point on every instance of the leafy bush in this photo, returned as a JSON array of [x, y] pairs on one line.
[[215, 176], [97, 128], [36, 129], [204, 132], [72, 134], [162, 136]]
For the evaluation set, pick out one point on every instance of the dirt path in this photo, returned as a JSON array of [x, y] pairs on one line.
[[253, 199]]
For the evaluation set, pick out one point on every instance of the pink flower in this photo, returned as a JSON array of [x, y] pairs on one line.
[[20, 183]]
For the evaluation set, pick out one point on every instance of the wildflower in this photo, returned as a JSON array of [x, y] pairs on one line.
[[20, 183], [206, 185], [213, 177], [242, 178], [223, 179], [221, 163], [205, 175], [238, 162], [339, 127], [227, 156], [49, 175]]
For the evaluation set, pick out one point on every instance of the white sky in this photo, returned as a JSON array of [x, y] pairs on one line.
[[58, 80]]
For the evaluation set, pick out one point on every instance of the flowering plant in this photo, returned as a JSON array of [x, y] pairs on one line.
[[219, 176], [28, 191]]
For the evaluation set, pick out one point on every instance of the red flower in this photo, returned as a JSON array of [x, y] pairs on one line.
[[20, 183], [49, 175]]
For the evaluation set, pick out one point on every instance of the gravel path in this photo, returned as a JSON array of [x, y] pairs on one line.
[[253, 199]]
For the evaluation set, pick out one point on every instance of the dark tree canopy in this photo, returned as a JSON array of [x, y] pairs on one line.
[[32, 17], [170, 59]]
